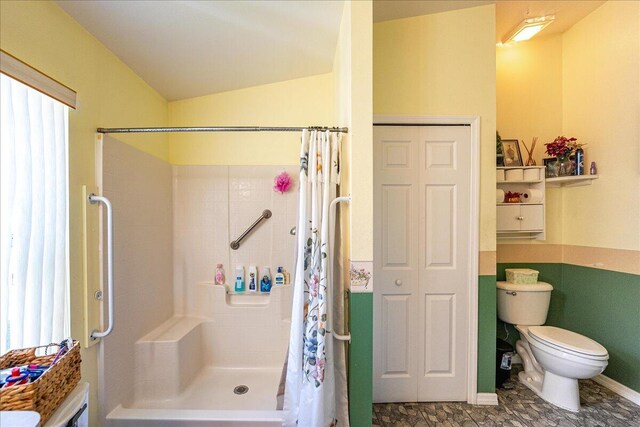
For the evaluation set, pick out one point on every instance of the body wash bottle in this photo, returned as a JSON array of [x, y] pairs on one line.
[[252, 285], [279, 277], [265, 282], [239, 279]]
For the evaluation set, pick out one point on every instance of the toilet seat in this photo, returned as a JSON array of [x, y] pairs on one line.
[[568, 342]]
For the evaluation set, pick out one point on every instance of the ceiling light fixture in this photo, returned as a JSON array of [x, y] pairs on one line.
[[528, 28]]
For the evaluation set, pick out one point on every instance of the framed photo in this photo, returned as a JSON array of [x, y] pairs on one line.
[[511, 151]]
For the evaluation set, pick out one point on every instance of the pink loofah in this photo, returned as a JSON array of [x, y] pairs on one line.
[[282, 182]]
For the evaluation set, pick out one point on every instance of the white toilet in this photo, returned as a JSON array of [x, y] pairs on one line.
[[553, 358]]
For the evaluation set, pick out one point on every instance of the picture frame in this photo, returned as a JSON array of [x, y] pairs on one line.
[[511, 152], [548, 166]]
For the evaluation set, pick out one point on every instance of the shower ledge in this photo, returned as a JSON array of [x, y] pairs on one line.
[[216, 294]]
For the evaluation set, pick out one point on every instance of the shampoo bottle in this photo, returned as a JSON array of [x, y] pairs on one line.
[[265, 282], [253, 279], [239, 279], [279, 277]]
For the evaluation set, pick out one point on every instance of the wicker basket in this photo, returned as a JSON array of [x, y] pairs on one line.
[[45, 394]]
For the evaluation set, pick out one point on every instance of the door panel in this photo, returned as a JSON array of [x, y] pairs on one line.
[[439, 329], [422, 187], [507, 218], [440, 214], [395, 326], [395, 259], [445, 221], [532, 217], [396, 234]]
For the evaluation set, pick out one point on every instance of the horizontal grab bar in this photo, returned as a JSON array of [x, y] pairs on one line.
[[236, 243]]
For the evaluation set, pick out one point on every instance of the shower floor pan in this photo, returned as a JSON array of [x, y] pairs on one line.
[[211, 399]]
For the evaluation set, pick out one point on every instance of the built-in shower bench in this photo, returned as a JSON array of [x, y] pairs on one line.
[[168, 358]]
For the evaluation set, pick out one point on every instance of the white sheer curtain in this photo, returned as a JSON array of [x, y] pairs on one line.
[[315, 391], [33, 217]]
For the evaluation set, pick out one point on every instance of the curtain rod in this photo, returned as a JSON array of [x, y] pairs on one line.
[[220, 129]]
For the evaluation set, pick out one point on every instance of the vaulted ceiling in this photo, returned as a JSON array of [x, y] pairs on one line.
[[185, 49]]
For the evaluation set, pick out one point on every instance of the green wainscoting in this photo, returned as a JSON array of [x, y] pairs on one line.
[[600, 304], [361, 359], [361, 348], [486, 334]]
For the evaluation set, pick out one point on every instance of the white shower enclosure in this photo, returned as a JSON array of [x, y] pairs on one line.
[[183, 350]]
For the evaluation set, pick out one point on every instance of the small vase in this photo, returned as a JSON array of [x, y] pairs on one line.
[[563, 166]]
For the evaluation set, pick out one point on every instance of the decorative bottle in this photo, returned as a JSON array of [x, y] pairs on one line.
[[219, 275]]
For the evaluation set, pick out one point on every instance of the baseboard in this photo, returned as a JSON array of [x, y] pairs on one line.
[[617, 388], [487, 399]]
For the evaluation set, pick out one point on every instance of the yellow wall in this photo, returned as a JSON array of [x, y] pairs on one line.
[[109, 94], [529, 104], [529, 91], [601, 103], [342, 111], [361, 132], [443, 64], [307, 101], [582, 83]]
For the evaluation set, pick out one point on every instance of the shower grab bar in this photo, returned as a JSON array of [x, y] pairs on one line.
[[93, 199], [336, 335], [236, 243]]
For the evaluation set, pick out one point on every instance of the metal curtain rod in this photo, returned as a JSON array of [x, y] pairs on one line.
[[220, 129]]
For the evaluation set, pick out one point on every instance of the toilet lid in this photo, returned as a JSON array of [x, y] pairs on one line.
[[568, 341]]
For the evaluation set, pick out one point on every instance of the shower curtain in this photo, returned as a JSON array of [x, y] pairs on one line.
[[315, 390]]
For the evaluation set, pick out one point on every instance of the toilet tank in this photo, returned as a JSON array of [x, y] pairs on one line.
[[524, 304]]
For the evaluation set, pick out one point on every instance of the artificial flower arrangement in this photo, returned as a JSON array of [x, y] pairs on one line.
[[563, 146]]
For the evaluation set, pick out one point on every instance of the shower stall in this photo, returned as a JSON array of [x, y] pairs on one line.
[[184, 350]]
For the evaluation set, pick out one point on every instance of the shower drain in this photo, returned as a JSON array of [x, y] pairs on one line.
[[241, 389]]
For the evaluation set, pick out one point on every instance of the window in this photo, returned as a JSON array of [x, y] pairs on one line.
[[34, 269]]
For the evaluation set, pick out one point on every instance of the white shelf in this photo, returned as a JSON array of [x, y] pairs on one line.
[[519, 167], [519, 204], [571, 181], [519, 182]]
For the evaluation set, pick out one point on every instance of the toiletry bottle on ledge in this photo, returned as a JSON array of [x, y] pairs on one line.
[[287, 276], [219, 275], [279, 277], [265, 282], [239, 279], [252, 285]]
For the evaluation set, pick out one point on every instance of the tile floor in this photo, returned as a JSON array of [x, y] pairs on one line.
[[518, 407]]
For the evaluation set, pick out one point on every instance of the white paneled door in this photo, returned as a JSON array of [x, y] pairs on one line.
[[422, 226]]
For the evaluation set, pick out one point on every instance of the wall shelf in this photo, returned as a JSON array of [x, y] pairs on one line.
[[571, 181], [521, 220], [517, 182]]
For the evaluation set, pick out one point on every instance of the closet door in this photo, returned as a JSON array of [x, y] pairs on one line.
[[395, 294], [422, 221], [443, 293]]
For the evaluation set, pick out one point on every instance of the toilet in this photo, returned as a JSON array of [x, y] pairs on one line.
[[553, 358]]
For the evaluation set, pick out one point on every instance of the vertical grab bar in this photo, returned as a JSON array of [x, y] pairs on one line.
[[337, 336], [101, 199]]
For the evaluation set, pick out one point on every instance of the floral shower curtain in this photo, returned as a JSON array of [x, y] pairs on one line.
[[315, 391]]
